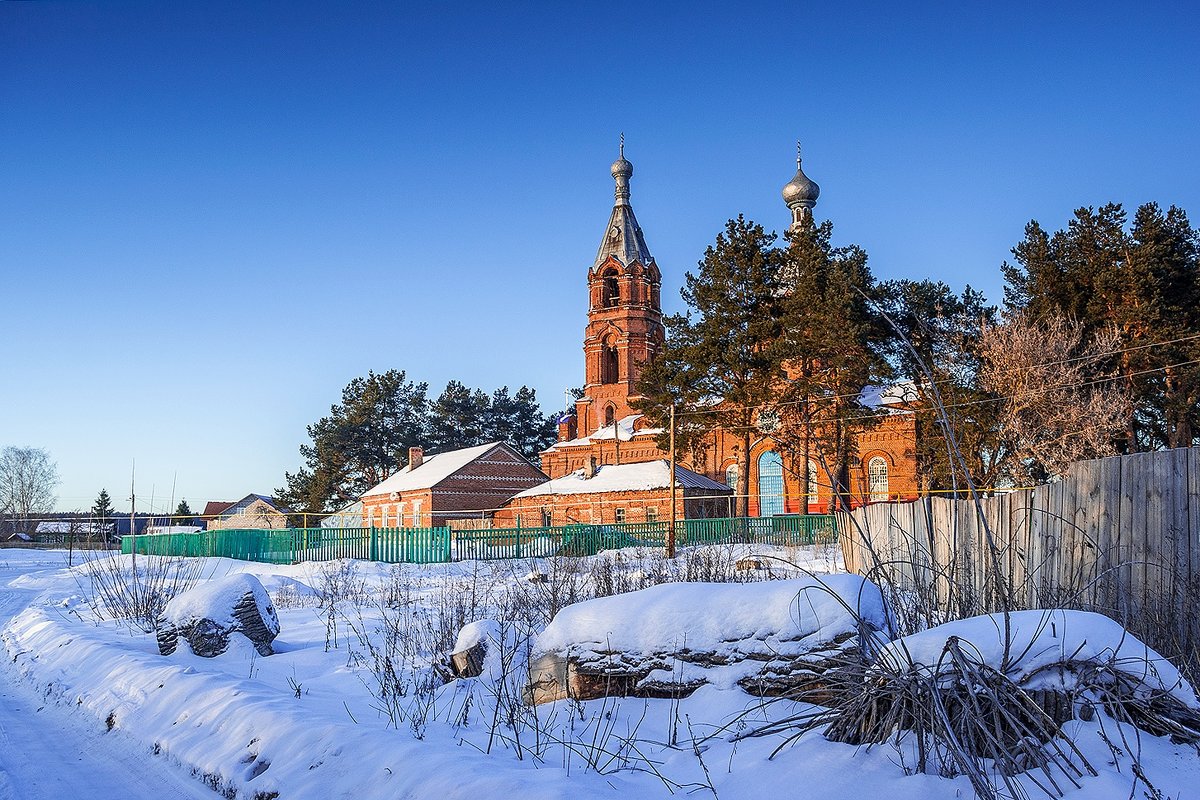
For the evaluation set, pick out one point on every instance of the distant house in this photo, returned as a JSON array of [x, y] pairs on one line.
[[459, 484], [214, 509], [61, 530], [158, 530], [348, 516], [252, 511], [617, 493]]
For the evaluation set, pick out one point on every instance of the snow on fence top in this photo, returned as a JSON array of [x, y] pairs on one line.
[[1039, 642], [773, 617]]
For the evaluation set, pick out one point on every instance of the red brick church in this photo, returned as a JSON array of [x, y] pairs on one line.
[[624, 330]]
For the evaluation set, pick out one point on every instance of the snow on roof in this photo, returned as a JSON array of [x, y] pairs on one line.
[[158, 530], [896, 394], [623, 430], [625, 478], [433, 470], [76, 525]]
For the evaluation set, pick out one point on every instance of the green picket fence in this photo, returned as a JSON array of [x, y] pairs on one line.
[[292, 545], [440, 545], [787, 530], [585, 540]]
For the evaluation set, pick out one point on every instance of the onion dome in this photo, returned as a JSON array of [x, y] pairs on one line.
[[622, 168], [800, 190]]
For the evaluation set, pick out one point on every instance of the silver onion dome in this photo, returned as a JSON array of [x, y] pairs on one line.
[[622, 168], [800, 191]]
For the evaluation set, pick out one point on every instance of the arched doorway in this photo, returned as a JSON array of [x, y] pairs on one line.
[[770, 484]]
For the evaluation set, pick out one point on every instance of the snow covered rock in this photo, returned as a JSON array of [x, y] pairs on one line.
[[769, 638], [207, 615]]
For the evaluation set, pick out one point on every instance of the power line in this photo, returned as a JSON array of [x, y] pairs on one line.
[[855, 395]]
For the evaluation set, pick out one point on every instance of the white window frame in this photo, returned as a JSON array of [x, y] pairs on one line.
[[877, 479]]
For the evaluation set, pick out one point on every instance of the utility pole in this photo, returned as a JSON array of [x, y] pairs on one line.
[[671, 478]]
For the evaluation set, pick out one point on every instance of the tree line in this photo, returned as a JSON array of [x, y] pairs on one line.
[[1095, 351], [365, 438]]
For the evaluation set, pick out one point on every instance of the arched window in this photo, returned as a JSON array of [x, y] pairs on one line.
[[612, 289], [770, 484], [813, 483], [610, 415], [731, 477], [610, 371], [877, 478]]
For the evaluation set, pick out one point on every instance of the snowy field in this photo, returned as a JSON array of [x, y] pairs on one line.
[[355, 703]]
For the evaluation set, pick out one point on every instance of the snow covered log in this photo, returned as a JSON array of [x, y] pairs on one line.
[[471, 648], [209, 614], [769, 638]]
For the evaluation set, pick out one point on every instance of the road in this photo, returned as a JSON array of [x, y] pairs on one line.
[[48, 753]]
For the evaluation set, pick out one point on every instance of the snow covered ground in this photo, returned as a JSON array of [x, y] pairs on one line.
[[352, 703]]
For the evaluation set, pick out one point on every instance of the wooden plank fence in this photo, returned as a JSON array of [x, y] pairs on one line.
[[1117, 534]]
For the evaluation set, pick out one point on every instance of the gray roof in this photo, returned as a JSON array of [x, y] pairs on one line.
[[623, 237]]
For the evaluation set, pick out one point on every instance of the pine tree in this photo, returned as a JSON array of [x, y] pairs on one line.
[[519, 421], [183, 514], [362, 441], [719, 363], [832, 346], [1145, 282], [102, 509], [937, 347], [457, 418]]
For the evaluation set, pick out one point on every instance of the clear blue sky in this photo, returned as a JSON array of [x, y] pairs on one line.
[[214, 215]]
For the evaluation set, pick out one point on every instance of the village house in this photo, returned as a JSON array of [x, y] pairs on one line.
[[254, 511], [443, 488], [624, 330]]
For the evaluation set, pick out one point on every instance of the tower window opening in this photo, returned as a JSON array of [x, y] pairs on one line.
[[609, 365], [610, 415], [612, 289]]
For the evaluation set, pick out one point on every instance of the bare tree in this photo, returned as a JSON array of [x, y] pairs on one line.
[[27, 481], [1061, 394]]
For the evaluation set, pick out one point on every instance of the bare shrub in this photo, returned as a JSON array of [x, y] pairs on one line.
[[396, 648], [338, 582], [135, 590], [1062, 404]]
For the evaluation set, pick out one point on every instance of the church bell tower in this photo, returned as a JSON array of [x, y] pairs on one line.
[[625, 324]]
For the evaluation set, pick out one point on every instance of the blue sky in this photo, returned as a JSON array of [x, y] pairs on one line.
[[214, 215]]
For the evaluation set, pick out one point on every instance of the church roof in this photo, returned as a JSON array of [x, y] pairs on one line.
[[623, 429], [623, 237], [641, 476]]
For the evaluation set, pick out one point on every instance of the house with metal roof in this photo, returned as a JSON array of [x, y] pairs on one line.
[[434, 490], [252, 511]]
